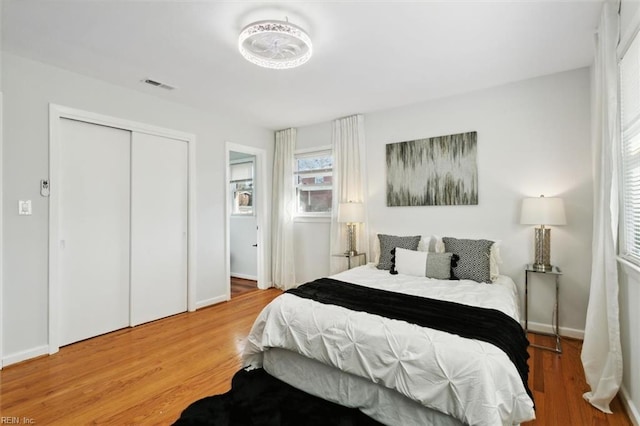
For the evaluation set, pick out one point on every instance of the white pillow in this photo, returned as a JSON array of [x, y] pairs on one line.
[[376, 248], [425, 243], [438, 244], [410, 262], [422, 264], [494, 260]]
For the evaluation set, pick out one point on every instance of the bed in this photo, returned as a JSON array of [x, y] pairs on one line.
[[392, 370]]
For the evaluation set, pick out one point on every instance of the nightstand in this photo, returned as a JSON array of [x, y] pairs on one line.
[[362, 258], [555, 272]]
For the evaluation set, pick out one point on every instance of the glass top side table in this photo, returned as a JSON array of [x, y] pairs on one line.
[[556, 272], [362, 258]]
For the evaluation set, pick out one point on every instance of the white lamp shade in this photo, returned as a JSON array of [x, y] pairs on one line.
[[351, 212], [543, 211]]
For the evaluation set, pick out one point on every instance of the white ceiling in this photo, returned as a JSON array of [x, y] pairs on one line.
[[368, 55]]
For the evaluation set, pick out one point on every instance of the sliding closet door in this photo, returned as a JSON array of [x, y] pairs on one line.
[[94, 209], [158, 227]]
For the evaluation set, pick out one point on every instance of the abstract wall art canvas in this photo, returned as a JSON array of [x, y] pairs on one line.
[[440, 171]]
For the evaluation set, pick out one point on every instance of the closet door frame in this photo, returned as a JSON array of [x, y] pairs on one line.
[[58, 112]]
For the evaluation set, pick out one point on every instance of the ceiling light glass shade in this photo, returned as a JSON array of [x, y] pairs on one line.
[[275, 44]]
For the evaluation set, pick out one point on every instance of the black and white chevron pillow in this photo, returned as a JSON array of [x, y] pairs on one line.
[[389, 242], [474, 263]]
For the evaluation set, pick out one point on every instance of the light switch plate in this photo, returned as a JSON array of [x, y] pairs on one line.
[[24, 207], [44, 187]]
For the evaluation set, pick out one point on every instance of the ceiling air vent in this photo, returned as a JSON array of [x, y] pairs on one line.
[[157, 84]]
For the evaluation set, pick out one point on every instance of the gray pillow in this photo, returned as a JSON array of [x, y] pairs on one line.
[[439, 265], [389, 242], [474, 263]]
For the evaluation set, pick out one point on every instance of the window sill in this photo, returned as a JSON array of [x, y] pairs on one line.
[[629, 266], [312, 219]]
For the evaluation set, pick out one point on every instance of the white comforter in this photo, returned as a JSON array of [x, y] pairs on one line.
[[470, 380]]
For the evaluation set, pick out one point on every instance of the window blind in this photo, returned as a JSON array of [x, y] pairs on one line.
[[241, 171], [630, 152]]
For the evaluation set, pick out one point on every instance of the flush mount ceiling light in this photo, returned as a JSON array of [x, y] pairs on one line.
[[275, 44]]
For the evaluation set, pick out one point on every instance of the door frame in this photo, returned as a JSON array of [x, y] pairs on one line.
[[1, 233], [58, 112], [260, 174]]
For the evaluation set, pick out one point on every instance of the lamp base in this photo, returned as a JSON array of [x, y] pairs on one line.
[[541, 267], [351, 240], [542, 249]]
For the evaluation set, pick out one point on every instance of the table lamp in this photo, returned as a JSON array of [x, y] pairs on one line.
[[543, 211], [351, 214]]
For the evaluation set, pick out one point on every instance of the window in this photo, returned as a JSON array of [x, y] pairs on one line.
[[630, 152], [241, 182], [313, 180]]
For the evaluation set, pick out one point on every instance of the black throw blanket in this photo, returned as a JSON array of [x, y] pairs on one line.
[[258, 399], [488, 325]]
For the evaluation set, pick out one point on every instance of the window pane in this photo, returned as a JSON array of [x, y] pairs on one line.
[[242, 198], [630, 176], [631, 195], [313, 180], [314, 201], [315, 163], [241, 188]]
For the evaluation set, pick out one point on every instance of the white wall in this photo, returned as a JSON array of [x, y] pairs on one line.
[[29, 88], [311, 242], [629, 280], [1, 46], [533, 138]]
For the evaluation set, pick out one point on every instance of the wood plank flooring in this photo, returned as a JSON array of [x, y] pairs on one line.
[[558, 383], [144, 375], [241, 286], [148, 374]]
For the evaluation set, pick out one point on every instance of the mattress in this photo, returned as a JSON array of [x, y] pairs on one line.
[[471, 381]]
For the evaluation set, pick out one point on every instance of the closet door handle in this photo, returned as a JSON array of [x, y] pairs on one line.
[[255, 245]]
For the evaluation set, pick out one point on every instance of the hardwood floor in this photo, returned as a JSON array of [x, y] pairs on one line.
[[144, 375], [558, 383], [241, 286], [150, 373]]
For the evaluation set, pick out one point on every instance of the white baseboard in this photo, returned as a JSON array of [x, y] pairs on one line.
[[25, 355], [212, 301], [632, 410], [564, 331], [244, 276]]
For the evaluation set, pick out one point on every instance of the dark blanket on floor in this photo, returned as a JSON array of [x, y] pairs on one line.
[[258, 399], [488, 325]]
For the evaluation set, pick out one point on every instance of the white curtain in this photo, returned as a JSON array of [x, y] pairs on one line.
[[601, 352], [348, 145], [283, 207]]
